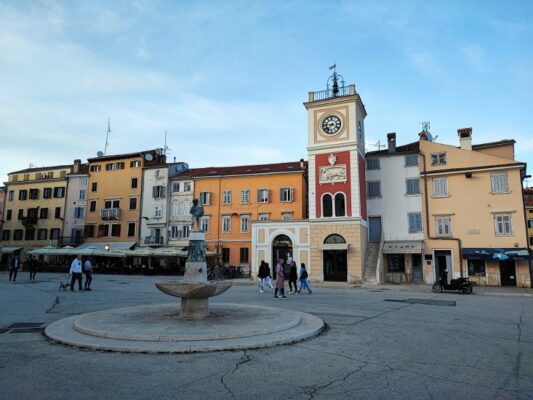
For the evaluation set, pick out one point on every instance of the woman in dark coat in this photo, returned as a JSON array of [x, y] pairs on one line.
[[280, 280], [293, 277]]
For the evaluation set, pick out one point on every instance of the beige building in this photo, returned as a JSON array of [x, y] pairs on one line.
[[473, 212], [34, 208]]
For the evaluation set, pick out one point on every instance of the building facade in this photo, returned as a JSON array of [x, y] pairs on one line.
[[473, 212], [181, 197], [75, 206], [528, 204]]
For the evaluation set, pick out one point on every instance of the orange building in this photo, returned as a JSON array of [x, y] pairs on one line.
[[234, 197], [114, 198]]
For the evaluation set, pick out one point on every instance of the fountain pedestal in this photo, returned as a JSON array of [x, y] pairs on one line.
[[194, 290]]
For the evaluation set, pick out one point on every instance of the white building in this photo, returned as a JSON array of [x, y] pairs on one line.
[[395, 212], [182, 193], [154, 206], [75, 205]]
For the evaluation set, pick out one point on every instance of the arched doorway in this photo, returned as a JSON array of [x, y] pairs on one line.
[[335, 259], [281, 248]]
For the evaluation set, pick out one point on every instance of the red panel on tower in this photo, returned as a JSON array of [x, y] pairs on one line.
[[323, 160], [362, 185]]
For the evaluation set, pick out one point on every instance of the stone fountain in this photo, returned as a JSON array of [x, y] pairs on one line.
[[194, 290]]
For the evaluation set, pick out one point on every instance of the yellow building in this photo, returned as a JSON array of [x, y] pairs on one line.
[[113, 198], [474, 212], [234, 197], [34, 208]]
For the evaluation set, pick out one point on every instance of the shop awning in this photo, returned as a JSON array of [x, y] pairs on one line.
[[475, 253], [403, 247], [102, 246], [9, 250]]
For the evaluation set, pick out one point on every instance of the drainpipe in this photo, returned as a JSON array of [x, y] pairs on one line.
[[426, 200]]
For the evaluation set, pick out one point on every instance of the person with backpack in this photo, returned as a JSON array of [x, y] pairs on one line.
[[264, 276], [304, 283]]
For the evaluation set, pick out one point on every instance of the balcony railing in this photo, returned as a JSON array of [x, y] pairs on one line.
[[110, 213], [28, 221], [328, 93], [157, 240]]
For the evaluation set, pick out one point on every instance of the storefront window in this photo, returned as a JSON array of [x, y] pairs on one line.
[[476, 267], [396, 263]]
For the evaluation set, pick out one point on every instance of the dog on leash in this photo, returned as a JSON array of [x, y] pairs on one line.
[[63, 286]]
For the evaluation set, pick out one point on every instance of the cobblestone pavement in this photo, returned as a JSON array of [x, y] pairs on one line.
[[381, 343]]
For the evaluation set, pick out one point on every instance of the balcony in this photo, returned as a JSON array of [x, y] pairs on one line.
[[154, 240], [110, 213], [330, 94], [29, 221]]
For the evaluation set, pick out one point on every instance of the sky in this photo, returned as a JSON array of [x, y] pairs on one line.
[[227, 80]]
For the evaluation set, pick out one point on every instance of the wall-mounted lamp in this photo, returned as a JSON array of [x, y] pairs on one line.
[[106, 247]]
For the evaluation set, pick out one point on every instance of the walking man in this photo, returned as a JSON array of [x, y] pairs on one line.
[[33, 268], [14, 267], [88, 271], [75, 272]]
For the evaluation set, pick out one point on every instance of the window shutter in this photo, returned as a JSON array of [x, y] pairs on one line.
[[281, 194], [118, 229], [291, 194]]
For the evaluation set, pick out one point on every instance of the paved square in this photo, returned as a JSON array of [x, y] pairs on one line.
[[374, 348]]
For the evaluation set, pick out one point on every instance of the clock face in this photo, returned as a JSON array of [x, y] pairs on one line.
[[331, 124]]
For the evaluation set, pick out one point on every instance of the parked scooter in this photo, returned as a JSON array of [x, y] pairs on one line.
[[460, 284]]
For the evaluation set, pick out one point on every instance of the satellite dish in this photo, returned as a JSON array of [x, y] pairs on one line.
[[181, 167], [100, 154], [148, 157], [159, 151]]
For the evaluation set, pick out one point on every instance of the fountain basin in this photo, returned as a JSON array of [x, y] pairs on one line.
[[193, 290]]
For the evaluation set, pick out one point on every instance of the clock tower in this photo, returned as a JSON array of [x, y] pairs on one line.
[[337, 186]]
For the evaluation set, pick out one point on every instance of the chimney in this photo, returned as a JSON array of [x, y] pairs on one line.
[[76, 167], [465, 138], [391, 140], [302, 163]]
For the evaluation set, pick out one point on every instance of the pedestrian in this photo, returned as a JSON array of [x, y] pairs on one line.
[[293, 277], [269, 277], [75, 273], [304, 283], [33, 268], [280, 280], [261, 276], [88, 271], [14, 265]]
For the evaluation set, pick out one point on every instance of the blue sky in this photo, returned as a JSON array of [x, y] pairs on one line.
[[227, 79]]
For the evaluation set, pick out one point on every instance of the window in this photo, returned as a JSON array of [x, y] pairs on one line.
[[531, 241], [112, 204], [79, 212], [415, 222], [412, 186], [43, 213], [286, 216], [133, 183], [92, 206], [8, 215], [82, 194], [57, 214], [225, 255], [47, 193], [94, 186], [499, 183], [263, 196], [34, 194], [476, 267], [245, 196], [59, 192], [372, 163], [158, 212], [135, 164], [340, 205], [95, 168], [226, 224], [133, 203], [396, 263], [90, 230], [17, 234], [158, 192], [244, 252], [23, 194], [187, 187], [32, 213], [179, 231], [6, 234], [20, 214], [15, 178], [440, 187], [10, 195], [438, 159], [204, 224], [374, 188], [226, 197], [411, 160], [245, 223], [327, 205], [131, 229], [115, 230], [26, 177], [83, 181], [263, 217], [286, 195], [443, 225], [103, 230], [175, 187], [529, 223], [62, 174], [54, 233], [205, 198], [503, 224], [41, 234]]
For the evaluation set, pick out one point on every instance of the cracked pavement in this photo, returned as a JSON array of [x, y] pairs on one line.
[[373, 349]]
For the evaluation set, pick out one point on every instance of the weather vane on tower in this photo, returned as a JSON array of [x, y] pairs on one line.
[[334, 80]]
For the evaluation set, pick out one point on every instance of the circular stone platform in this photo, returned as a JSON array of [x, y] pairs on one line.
[[158, 329]]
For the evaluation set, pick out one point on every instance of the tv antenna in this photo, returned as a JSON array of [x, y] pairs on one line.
[[107, 135], [165, 147], [378, 145]]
